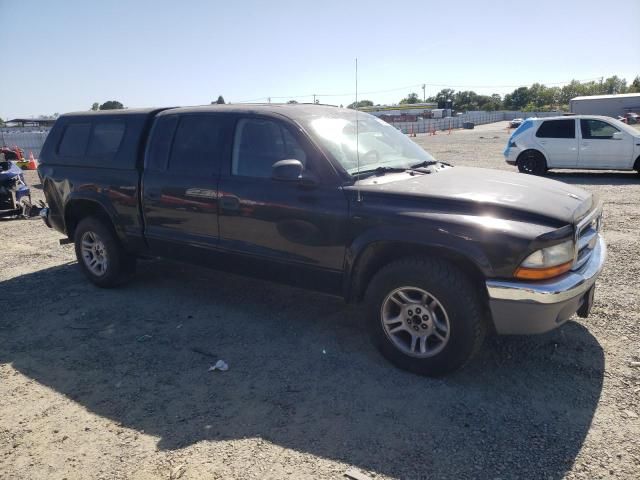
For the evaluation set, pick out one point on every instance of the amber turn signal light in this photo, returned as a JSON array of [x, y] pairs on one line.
[[524, 273]]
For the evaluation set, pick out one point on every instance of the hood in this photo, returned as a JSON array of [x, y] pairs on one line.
[[494, 188]]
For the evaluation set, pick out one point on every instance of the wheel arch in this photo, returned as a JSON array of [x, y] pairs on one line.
[[532, 149], [378, 254], [78, 208]]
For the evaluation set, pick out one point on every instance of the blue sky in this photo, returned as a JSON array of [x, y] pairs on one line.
[[61, 56]]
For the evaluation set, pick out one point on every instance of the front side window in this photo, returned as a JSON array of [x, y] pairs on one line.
[[259, 143], [597, 129], [106, 138], [557, 129], [198, 144], [74, 140]]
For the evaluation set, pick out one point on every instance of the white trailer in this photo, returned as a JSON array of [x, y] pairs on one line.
[[609, 105]]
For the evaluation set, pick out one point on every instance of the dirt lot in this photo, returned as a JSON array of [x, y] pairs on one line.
[[114, 383]]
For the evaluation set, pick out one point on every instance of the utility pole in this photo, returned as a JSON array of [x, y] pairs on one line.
[[269, 99], [424, 94], [314, 98]]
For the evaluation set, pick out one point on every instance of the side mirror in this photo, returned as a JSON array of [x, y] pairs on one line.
[[617, 136], [287, 170]]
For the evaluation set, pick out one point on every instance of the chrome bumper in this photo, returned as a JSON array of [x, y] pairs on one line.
[[536, 307]]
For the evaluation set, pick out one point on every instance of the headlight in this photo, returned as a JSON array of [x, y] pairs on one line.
[[548, 262]]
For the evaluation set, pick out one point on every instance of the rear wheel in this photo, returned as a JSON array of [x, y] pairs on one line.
[[532, 162], [425, 315], [100, 254]]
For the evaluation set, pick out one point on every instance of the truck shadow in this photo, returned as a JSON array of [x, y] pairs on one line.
[[595, 177], [302, 375]]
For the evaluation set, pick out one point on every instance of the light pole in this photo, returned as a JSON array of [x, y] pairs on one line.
[[424, 94]]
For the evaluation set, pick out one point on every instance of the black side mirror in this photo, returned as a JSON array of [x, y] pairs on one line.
[[287, 170]]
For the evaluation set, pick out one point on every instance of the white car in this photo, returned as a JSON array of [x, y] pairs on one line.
[[580, 141]]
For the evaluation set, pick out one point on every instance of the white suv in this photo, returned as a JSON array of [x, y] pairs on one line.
[[580, 141]]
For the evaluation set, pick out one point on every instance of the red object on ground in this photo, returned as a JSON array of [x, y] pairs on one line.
[[32, 162]]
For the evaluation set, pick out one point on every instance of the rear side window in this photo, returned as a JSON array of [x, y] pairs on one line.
[[198, 144], [106, 139], [74, 140], [597, 129], [160, 144], [557, 129]]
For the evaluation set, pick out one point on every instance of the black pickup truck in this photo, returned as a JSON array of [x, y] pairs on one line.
[[333, 200]]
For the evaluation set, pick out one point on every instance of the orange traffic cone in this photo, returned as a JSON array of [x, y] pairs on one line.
[[32, 162]]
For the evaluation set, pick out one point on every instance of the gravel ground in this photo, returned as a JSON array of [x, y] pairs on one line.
[[114, 383]]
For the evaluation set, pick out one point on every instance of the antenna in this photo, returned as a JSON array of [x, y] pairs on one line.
[[358, 197]]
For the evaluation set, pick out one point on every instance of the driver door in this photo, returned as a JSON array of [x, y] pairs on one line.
[[281, 222]]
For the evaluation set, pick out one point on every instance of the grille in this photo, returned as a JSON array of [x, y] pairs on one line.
[[586, 237]]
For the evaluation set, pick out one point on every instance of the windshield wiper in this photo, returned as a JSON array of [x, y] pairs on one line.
[[426, 163], [380, 170]]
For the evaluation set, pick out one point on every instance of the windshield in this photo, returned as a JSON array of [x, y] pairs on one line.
[[379, 144], [623, 126]]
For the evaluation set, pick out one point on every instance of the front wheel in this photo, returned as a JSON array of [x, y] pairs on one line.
[[532, 162], [100, 255], [425, 315]]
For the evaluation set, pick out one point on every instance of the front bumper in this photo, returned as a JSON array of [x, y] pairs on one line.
[[520, 308]]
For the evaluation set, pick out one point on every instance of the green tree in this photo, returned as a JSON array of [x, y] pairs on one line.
[[411, 98], [292, 101], [490, 103], [1, 122], [614, 85], [95, 106], [111, 105], [466, 100], [360, 104], [220, 100], [443, 96], [635, 85], [517, 99]]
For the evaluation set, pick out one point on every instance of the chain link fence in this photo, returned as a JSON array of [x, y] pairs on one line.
[[477, 118], [29, 139]]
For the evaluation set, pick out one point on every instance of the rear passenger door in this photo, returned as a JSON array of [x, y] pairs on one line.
[[180, 183], [557, 140]]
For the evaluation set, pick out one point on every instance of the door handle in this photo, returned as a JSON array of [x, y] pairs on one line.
[[229, 203]]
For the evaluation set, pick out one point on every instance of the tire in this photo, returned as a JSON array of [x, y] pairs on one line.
[[96, 244], [452, 300], [532, 162]]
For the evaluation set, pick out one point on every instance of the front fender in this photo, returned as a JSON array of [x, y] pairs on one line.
[[491, 247], [396, 242]]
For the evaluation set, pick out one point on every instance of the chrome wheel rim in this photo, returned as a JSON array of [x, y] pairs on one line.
[[415, 322], [94, 253]]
